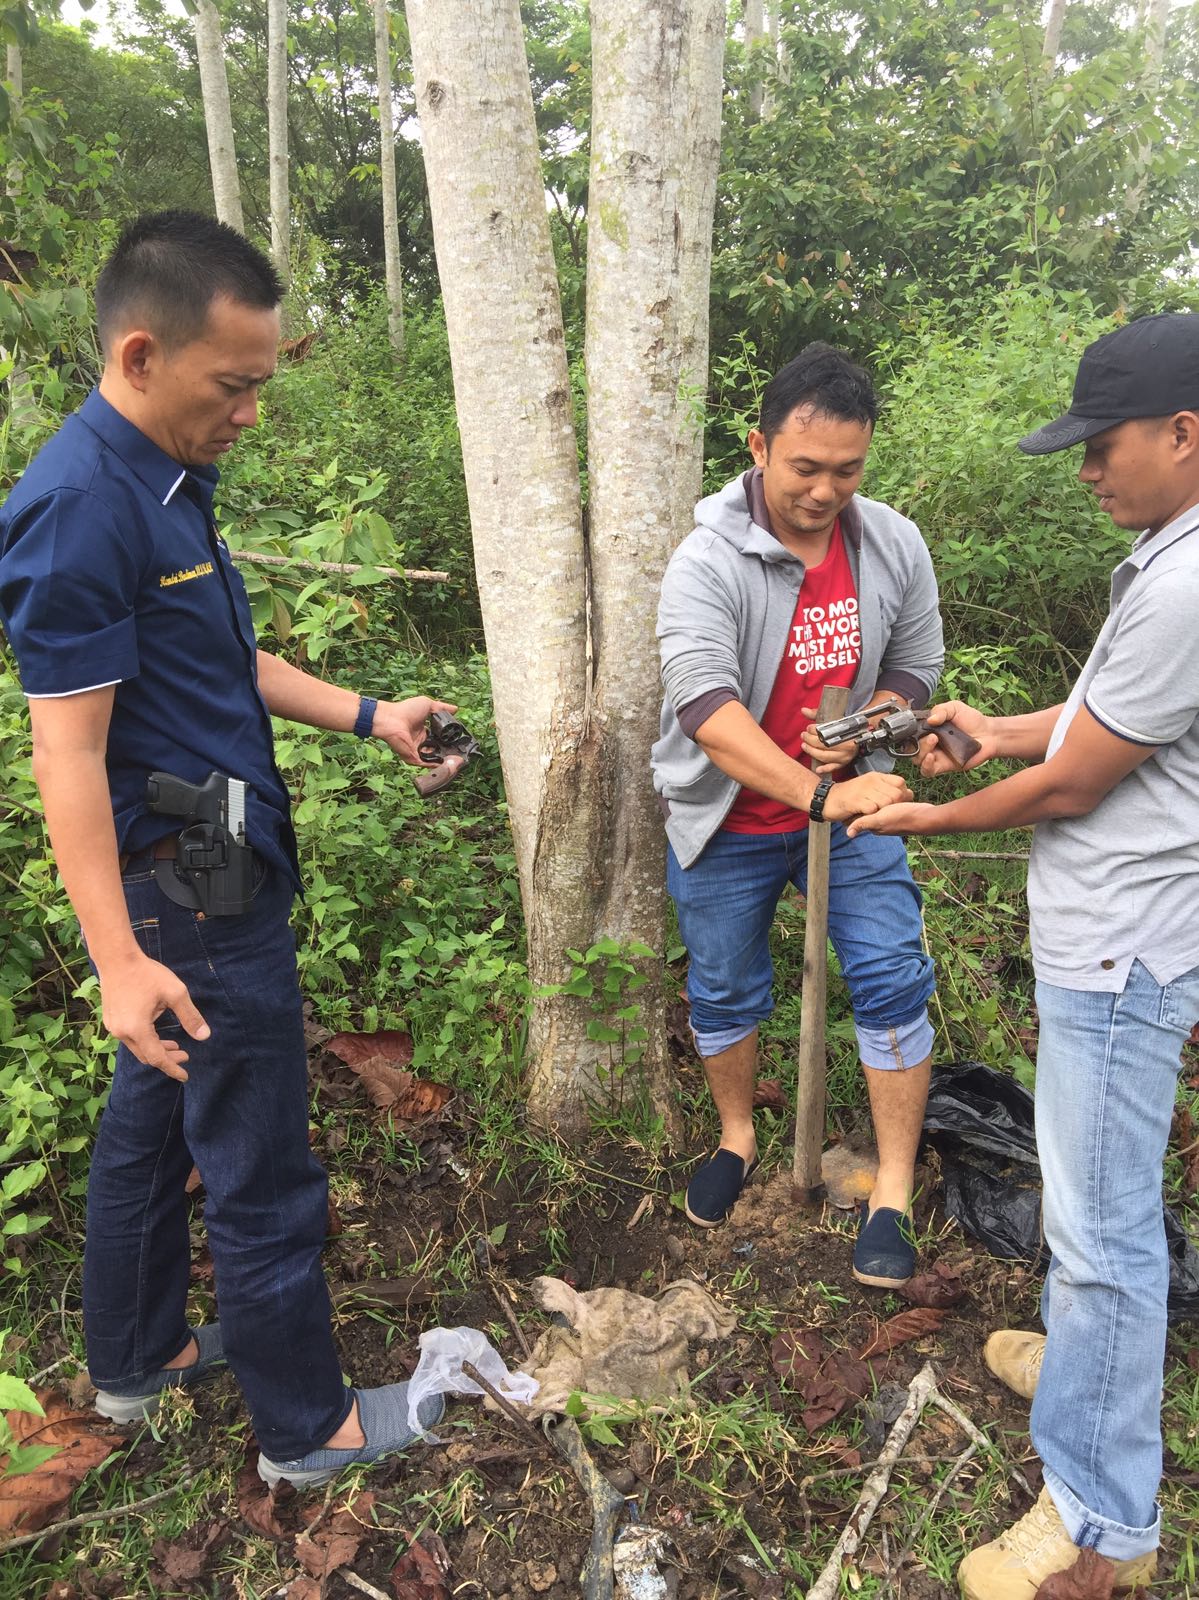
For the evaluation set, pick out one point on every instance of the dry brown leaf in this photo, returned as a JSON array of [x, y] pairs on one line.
[[326, 1551], [828, 1382], [388, 1045], [33, 1499], [260, 1506], [768, 1095], [185, 1559], [908, 1325], [397, 1092], [939, 1288], [60, 1589], [1090, 1578], [194, 1181], [422, 1571], [304, 1589]]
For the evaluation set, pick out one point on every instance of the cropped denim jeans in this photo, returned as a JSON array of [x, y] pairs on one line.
[[242, 1118], [726, 903], [1107, 1068]]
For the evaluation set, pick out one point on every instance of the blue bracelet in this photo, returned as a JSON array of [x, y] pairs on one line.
[[366, 717]]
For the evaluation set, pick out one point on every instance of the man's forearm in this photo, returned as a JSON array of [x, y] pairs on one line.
[[1038, 794], [1025, 738], [734, 742], [298, 696], [74, 788]]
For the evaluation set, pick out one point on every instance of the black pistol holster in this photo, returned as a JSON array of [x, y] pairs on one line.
[[215, 871]]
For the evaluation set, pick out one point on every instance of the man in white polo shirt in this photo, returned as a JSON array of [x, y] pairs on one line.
[[1113, 888]]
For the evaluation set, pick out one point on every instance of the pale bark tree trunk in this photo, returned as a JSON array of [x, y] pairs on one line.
[[1053, 31], [755, 32], [15, 76], [648, 250], [276, 104], [574, 668], [1155, 16], [218, 120], [781, 65], [21, 403], [387, 171]]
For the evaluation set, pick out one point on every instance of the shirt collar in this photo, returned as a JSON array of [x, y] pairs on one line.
[[1150, 545], [160, 473]]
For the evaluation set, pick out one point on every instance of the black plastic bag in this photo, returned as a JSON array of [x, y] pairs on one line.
[[980, 1122]]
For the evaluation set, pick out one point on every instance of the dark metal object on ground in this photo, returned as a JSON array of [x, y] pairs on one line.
[[598, 1577]]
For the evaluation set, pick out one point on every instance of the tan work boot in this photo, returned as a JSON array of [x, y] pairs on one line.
[[1016, 1564], [1015, 1359]]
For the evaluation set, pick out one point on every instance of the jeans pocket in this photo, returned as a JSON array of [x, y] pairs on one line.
[[148, 934], [1180, 1002]]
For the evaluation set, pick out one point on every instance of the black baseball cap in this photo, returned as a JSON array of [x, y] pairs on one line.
[[1149, 368]]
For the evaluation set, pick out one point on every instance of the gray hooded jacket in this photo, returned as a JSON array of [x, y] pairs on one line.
[[728, 601]]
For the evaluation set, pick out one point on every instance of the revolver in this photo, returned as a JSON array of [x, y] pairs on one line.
[[447, 747], [898, 730]]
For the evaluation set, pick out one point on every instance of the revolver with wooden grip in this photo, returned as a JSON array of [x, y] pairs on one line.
[[897, 729]]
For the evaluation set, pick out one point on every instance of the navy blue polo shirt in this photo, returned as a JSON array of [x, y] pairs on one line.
[[112, 572]]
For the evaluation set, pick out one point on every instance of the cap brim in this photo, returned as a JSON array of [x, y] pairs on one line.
[[1067, 430]]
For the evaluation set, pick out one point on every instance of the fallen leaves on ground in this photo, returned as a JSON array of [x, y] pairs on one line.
[[422, 1571], [939, 1288], [33, 1499], [827, 1381], [908, 1325], [260, 1507], [768, 1095], [380, 1060], [182, 1561], [1090, 1578]]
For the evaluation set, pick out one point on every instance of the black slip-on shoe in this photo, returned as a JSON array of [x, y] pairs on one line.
[[884, 1256], [715, 1187]]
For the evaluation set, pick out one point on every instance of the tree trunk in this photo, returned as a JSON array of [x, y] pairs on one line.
[[22, 407], [1155, 17], [573, 661], [276, 104], [1053, 31], [214, 90], [15, 77], [387, 170], [755, 33]]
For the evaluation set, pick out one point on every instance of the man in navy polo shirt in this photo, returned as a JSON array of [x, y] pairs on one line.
[[135, 646], [1112, 787]]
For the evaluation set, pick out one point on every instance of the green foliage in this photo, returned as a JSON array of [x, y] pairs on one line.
[[608, 975], [17, 1396], [920, 151]]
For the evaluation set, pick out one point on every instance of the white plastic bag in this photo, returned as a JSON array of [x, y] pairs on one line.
[[439, 1371]]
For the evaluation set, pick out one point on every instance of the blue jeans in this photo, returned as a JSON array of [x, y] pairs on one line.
[[726, 903], [242, 1117], [1107, 1067]]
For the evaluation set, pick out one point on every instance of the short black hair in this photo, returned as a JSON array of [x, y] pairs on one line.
[[169, 266], [824, 378]]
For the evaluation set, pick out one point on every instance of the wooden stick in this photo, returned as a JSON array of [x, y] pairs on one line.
[[96, 1516], [413, 574], [511, 1316], [505, 1406], [809, 1087], [964, 1423], [355, 1582], [977, 855], [966, 1456], [922, 1387]]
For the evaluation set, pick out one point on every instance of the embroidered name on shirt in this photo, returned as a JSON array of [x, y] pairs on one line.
[[203, 569]]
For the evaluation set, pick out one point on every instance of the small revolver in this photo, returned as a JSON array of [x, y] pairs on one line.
[[447, 747], [898, 730]]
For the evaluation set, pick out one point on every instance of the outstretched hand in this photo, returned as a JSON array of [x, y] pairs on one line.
[[897, 819], [401, 724]]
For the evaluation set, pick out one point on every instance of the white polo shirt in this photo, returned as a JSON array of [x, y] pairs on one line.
[[1122, 883]]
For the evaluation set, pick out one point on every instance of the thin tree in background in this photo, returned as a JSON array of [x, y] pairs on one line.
[[755, 36], [569, 621], [1053, 31], [276, 106], [214, 90], [1154, 19], [387, 171]]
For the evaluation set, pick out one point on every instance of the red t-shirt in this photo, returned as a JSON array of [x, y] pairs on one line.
[[823, 651]]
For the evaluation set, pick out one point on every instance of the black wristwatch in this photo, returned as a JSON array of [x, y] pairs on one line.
[[819, 795]]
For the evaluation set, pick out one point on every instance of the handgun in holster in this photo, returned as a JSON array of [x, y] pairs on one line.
[[214, 871]]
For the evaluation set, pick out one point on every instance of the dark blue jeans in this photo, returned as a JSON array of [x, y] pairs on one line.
[[242, 1117]]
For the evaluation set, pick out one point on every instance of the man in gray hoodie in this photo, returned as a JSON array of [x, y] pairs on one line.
[[790, 583]]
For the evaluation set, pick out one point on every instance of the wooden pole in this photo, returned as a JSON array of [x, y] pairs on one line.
[[809, 1086], [413, 574]]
